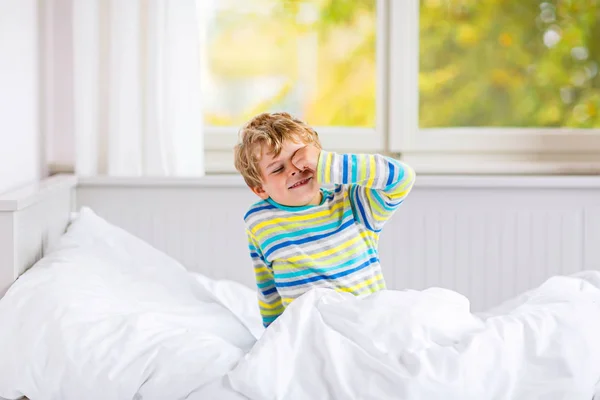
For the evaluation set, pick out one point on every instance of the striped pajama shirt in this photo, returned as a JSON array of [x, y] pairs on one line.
[[330, 245]]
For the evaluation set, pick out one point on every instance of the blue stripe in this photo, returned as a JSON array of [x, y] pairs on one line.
[[397, 203], [300, 232], [345, 225], [254, 255], [257, 209], [390, 173], [351, 191], [362, 212], [345, 169], [268, 292], [269, 320], [309, 270], [397, 181], [353, 167], [330, 277]]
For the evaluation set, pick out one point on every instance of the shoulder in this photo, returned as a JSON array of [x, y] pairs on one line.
[[257, 212]]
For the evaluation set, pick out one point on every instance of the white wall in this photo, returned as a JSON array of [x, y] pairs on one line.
[[57, 44], [19, 94]]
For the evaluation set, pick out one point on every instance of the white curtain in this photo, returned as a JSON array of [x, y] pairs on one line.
[[136, 76]]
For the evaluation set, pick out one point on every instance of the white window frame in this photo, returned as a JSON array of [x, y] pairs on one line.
[[469, 150], [472, 149]]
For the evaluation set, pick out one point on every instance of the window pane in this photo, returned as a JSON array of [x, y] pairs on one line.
[[509, 63], [313, 58]]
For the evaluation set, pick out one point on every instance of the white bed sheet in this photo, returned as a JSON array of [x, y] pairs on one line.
[[427, 345]]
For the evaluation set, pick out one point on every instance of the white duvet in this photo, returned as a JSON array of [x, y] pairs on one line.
[[105, 316]]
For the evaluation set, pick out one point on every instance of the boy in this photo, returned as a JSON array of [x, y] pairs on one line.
[[302, 236]]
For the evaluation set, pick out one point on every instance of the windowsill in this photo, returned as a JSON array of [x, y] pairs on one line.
[[208, 181]]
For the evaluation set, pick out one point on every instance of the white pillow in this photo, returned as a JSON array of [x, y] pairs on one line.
[[106, 316]]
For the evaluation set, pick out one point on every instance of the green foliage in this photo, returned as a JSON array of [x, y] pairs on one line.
[[324, 49], [496, 63], [509, 63]]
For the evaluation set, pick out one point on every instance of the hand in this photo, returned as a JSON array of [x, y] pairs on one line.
[[306, 158]]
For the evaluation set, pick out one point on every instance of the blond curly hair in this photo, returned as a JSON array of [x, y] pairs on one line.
[[270, 130]]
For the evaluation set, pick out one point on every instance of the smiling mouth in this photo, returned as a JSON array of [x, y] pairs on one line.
[[300, 183]]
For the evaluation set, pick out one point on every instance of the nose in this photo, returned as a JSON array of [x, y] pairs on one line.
[[293, 169]]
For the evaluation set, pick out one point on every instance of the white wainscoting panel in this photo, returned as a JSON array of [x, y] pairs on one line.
[[200, 226], [32, 219], [487, 238]]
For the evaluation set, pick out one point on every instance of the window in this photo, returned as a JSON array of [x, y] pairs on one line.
[[450, 85], [316, 59], [495, 86]]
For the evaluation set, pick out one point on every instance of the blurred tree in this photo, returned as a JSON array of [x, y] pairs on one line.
[[509, 63], [496, 63], [315, 58]]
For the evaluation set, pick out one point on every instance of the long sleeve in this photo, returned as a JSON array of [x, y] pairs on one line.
[[377, 184], [269, 300]]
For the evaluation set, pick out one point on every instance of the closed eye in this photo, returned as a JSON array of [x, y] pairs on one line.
[[277, 170]]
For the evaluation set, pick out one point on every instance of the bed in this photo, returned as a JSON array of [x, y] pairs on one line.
[[104, 315]]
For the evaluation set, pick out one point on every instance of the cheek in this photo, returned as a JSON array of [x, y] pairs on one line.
[[281, 183], [275, 182]]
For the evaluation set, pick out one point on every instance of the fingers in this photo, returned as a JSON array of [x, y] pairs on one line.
[[304, 159], [299, 158]]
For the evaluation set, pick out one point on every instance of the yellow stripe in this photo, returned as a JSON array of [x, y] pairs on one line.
[[271, 312], [402, 190], [333, 216], [328, 167], [316, 256], [288, 300], [310, 261], [273, 306], [372, 171], [363, 169], [380, 214], [263, 278], [260, 268], [275, 221], [368, 282]]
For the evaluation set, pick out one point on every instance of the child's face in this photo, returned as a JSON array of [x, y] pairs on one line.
[[283, 182]]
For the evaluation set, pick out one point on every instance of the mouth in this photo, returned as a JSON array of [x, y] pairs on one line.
[[301, 182]]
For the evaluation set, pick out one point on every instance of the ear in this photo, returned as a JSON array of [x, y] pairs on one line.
[[260, 192]]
